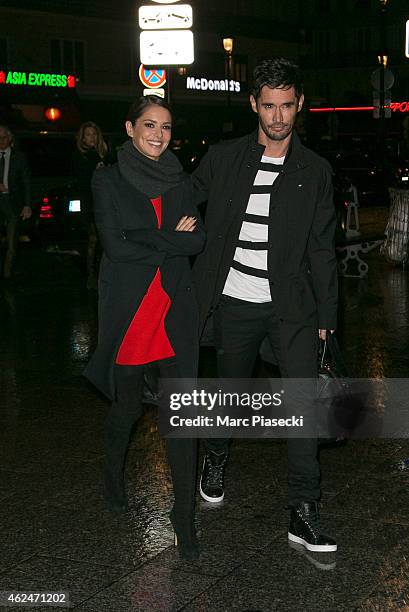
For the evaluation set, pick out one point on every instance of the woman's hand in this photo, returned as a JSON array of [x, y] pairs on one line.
[[186, 224]]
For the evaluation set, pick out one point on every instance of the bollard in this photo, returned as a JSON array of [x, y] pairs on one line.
[[395, 246]]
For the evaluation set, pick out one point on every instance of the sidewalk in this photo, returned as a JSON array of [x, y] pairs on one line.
[[56, 534]]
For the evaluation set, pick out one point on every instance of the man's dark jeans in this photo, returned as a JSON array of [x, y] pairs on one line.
[[239, 329]]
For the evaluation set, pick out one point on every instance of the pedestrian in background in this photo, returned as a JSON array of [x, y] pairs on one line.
[[147, 224], [91, 153], [14, 194]]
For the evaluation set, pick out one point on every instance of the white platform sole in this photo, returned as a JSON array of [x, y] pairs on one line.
[[212, 500], [312, 547]]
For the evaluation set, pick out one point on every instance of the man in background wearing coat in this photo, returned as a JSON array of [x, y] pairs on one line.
[[14, 194], [269, 270]]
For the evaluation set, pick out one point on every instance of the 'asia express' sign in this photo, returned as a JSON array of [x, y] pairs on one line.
[[36, 79]]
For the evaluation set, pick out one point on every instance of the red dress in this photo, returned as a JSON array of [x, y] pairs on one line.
[[146, 339]]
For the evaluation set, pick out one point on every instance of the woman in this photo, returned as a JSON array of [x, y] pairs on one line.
[[91, 153], [147, 310]]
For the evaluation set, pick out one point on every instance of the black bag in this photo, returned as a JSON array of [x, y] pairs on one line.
[[151, 393], [334, 399]]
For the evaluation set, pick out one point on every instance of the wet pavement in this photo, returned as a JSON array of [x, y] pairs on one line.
[[56, 535]]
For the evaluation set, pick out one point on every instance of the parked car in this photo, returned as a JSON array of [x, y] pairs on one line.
[[57, 221], [368, 175], [59, 224]]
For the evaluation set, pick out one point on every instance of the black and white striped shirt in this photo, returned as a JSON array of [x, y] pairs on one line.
[[247, 279]]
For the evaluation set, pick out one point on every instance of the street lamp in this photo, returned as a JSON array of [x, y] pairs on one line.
[[228, 45], [228, 42], [383, 62]]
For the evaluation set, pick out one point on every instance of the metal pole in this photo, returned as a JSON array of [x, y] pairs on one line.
[[382, 123], [168, 79]]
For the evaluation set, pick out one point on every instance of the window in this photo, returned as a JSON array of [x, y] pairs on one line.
[[363, 42], [323, 43], [323, 90], [3, 53], [68, 56], [244, 8], [240, 68]]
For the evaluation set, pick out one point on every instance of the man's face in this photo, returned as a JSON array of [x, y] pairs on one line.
[[5, 140], [277, 110]]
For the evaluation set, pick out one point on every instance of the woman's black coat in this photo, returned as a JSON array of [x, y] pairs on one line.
[[134, 248]]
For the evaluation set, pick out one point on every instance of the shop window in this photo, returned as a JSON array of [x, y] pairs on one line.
[[3, 53], [68, 56]]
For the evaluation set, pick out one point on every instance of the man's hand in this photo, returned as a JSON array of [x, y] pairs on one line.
[[186, 224], [323, 333], [2, 188], [26, 212]]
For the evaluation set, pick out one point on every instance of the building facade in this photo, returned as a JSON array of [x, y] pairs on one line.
[[337, 42]]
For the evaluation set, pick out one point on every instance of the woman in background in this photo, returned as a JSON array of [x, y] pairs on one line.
[[148, 227], [91, 153]]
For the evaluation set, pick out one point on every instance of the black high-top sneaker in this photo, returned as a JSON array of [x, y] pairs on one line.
[[212, 478], [305, 528]]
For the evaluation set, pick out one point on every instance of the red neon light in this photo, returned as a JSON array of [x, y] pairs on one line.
[[403, 107], [71, 81], [333, 109], [2, 77], [45, 200]]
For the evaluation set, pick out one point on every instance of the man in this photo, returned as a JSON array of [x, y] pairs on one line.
[[269, 269], [14, 194]]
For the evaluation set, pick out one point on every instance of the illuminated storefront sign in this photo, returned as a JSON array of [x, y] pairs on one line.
[[402, 107], [36, 79], [212, 84]]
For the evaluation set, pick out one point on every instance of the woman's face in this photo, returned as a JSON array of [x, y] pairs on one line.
[[90, 137], [151, 132]]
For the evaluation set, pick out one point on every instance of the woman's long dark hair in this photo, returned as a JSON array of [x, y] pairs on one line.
[[139, 106]]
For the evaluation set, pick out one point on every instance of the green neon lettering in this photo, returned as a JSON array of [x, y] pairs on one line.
[[35, 79]]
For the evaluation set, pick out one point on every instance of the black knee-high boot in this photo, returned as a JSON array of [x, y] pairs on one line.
[[123, 414], [182, 456]]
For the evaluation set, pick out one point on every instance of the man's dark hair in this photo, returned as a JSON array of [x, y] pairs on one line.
[[277, 73], [138, 107]]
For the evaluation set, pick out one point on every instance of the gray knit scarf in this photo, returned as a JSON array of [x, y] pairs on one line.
[[153, 178]]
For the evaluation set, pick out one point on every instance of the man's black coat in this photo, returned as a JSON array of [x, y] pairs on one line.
[[301, 257], [18, 181], [134, 248]]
